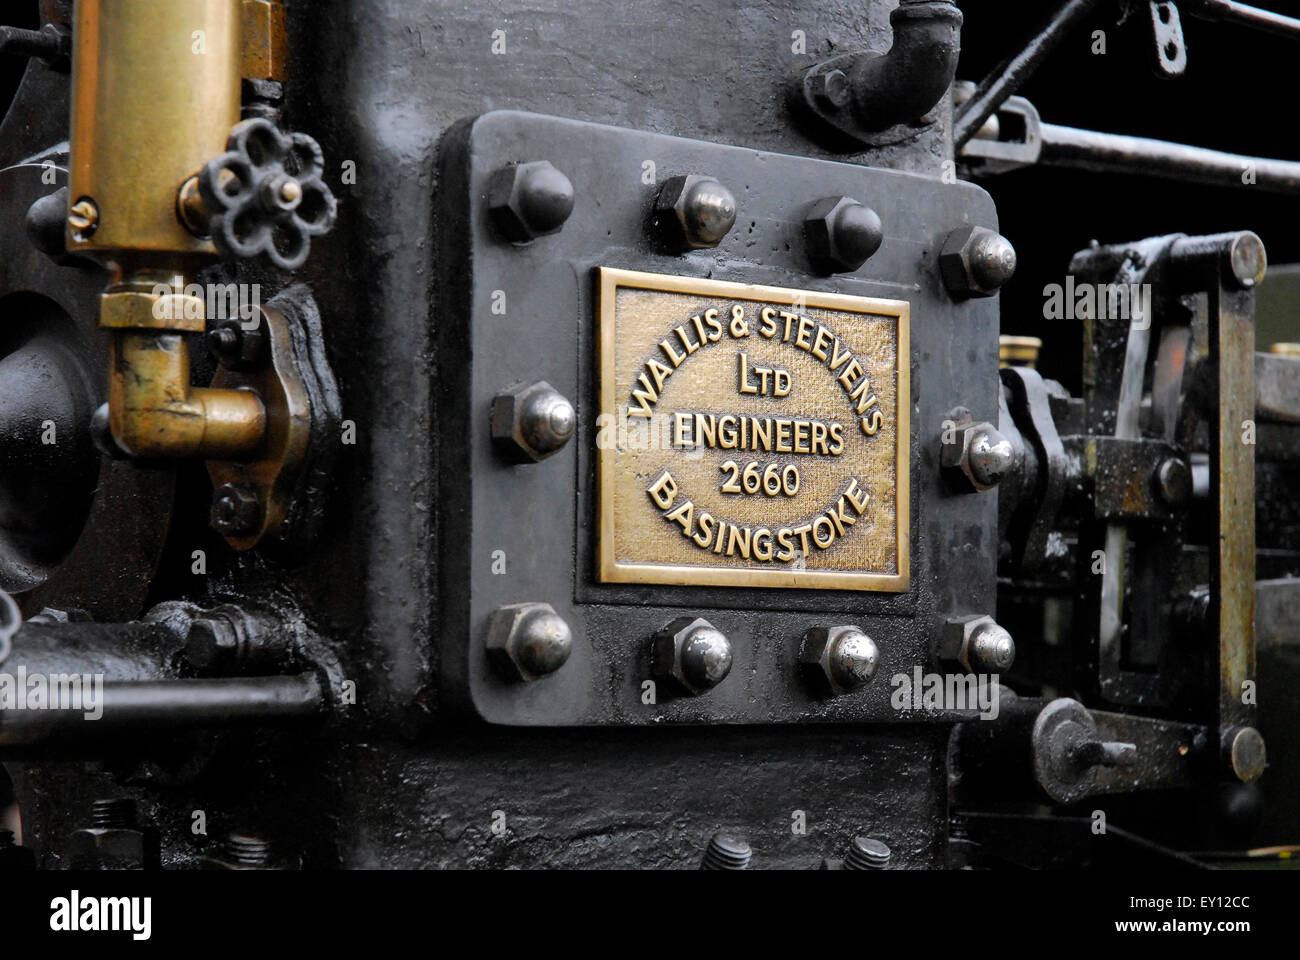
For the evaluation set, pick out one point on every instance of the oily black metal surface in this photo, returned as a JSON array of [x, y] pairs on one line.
[[378, 84], [872, 99], [96, 545], [1044, 475], [1034, 749], [541, 515], [395, 587]]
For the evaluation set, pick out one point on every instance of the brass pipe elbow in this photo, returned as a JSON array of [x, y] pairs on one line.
[[154, 412]]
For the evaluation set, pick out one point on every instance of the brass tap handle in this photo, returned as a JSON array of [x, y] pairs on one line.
[[265, 194]]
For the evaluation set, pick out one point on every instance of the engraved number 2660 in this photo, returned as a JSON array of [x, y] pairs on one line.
[[772, 480]]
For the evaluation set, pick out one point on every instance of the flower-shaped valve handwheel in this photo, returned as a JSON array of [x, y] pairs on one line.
[[265, 194]]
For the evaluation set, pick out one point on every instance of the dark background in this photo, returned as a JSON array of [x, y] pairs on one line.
[[1238, 94], [14, 14]]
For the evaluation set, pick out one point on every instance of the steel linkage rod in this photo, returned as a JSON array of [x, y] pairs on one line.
[[1007, 77]]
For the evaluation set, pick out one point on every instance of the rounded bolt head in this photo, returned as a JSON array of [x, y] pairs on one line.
[[236, 510], [692, 654], [527, 641], [990, 649], [548, 420], [705, 657], [695, 211], [1246, 754], [1247, 259], [976, 261], [529, 200], [841, 234], [977, 456], [988, 456], [531, 422], [839, 659], [44, 223], [977, 643], [853, 659], [1174, 481], [543, 642]]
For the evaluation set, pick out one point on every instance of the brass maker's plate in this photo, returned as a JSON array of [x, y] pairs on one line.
[[751, 436]]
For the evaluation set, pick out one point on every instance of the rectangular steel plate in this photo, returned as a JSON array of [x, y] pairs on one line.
[[751, 435], [510, 532]]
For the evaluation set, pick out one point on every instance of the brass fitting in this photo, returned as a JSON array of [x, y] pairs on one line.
[[151, 300], [1018, 351], [155, 94], [154, 412], [265, 45], [155, 91]]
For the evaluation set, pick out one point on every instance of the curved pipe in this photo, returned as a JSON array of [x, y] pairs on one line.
[[909, 80], [154, 412]]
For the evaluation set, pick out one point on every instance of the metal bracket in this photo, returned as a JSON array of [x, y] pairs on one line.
[[303, 412], [1169, 52], [1019, 142], [1125, 475], [1030, 411]]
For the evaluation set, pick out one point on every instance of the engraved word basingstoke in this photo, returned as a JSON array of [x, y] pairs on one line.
[[751, 436]]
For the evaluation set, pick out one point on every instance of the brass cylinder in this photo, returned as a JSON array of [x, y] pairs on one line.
[[155, 92]]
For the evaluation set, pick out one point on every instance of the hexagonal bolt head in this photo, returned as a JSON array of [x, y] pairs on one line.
[[237, 345], [97, 848], [831, 89], [976, 261], [838, 660], [978, 644], [236, 510], [529, 200], [212, 642], [978, 456], [841, 234], [113, 841], [695, 211], [527, 641], [530, 422], [692, 655]]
